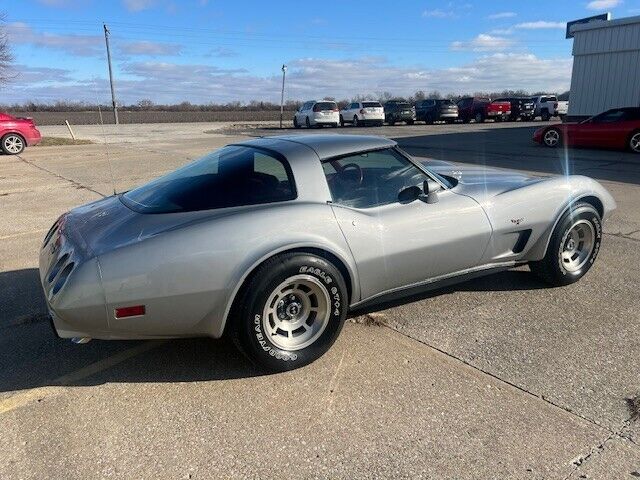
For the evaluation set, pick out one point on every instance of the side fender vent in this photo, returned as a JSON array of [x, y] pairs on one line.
[[523, 238]]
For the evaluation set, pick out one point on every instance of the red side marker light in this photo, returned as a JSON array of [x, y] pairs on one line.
[[134, 311]]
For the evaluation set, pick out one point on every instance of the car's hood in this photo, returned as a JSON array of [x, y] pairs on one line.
[[478, 181]]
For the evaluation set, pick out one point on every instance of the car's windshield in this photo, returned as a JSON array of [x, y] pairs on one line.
[[370, 104], [326, 106], [229, 177]]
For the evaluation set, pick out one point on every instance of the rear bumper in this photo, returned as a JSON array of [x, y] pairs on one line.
[[325, 119], [448, 115], [498, 114], [33, 137]]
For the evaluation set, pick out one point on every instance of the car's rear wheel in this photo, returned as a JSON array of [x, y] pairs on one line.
[[634, 142], [573, 247], [295, 123], [341, 121], [545, 116], [13, 144], [290, 312], [410, 122], [552, 138], [479, 118]]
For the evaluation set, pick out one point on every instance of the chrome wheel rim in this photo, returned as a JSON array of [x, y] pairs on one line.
[[577, 245], [634, 143], [296, 312], [551, 138], [13, 144]]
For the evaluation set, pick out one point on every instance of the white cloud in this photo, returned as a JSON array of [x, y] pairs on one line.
[[540, 25], [496, 16], [166, 82], [144, 47], [86, 45], [137, 5], [603, 4], [483, 43], [80, 45], [437, 13]]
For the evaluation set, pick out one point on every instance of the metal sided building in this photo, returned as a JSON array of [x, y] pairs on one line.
[[606, 65]]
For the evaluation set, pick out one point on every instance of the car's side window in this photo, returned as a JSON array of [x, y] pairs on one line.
[[370, 179], [610, 116], [230, 177]]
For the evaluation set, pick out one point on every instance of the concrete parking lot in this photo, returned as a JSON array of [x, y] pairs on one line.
[[499, 377]]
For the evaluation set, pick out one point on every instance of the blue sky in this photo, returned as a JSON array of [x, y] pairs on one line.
[[218, 51]]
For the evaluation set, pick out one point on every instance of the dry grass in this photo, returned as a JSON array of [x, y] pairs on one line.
[[56, 141]]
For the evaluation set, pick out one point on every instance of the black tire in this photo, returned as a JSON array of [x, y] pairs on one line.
[[545, 116], [307, 122], [341, 121], [391, 121], [466, 120], [355, 122], [410, 122], [13, 144], [248, 314], [380, 123], [334, 125], [634, 141], [479, 117], [295, 123], [552, 267]]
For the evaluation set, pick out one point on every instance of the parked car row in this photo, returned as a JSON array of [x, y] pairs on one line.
[[478, 109]]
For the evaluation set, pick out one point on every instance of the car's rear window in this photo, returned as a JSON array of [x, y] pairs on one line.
[[370, 104], [229, 177], [326, 106]]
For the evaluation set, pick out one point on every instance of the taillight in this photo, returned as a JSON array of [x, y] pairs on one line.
[[335, 110], [134, 311]]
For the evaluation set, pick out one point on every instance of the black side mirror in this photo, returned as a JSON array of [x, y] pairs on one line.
[[431, 189], [409, 194]]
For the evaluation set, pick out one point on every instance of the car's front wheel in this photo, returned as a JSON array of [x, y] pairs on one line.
[[307, 122], [295, 123], [355, 121], [12, 144], [552, 138], [290, 312], [573, 246], [634, 142]]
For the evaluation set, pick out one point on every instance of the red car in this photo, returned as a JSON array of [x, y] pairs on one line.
[[17, 133], [617, 128]]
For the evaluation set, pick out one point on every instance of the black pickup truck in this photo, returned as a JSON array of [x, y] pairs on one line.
[[521, 108]]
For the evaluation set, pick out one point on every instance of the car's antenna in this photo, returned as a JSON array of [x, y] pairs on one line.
[[106, 150]]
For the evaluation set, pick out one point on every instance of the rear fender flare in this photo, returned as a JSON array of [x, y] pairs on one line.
[[240, 280]]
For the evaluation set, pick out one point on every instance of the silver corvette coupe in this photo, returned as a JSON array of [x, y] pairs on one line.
[[273, 240]]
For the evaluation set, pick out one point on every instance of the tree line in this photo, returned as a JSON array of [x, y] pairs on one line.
[[253, 105]]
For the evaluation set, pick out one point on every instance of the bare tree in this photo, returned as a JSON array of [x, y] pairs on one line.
[[5, 54]]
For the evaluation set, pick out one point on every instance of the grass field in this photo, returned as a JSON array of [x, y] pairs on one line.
[[56, 141], [93, 117]]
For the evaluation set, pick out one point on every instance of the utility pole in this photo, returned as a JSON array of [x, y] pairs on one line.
[[113, 93], [284, 71]]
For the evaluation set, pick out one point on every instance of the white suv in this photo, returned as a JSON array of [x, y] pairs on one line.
[[317, 114], [362, 113]]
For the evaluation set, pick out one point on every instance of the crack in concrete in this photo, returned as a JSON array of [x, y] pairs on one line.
[[623, 235], [580, 460], [61, 177]]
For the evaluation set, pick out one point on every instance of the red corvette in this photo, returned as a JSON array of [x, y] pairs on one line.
[[17, 133], [617, 128]]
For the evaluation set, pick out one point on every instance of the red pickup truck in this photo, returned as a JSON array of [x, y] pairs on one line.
[[480, 109]]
